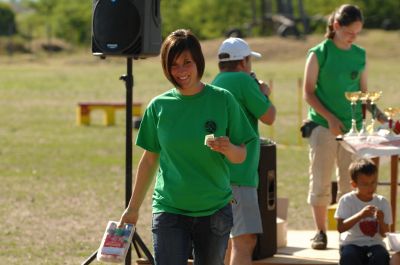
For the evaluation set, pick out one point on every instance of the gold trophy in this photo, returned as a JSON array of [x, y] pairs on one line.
[[373, 96], [353, 97], [364, 96], [390, 113]]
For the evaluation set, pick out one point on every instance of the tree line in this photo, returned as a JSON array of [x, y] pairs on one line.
[[71, 20]]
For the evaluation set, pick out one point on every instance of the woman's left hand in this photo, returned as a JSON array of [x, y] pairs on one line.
[[234, 153], [219, 144]]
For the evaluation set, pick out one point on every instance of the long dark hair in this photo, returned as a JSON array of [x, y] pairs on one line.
[[344, 15]]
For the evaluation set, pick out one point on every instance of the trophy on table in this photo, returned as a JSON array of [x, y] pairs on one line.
[[364, 96], [353, 97], [390, 113], [373, 96]]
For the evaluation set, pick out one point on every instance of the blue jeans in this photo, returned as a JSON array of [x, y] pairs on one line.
[[175, 236], [356, 255]]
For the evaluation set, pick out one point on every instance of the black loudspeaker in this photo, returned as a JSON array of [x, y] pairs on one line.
[[267, 201], [130, 28]]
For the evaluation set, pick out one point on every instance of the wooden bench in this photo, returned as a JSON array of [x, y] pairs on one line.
[[84, 109]]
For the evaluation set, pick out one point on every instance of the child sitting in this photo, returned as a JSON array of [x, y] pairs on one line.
[[365, 217]]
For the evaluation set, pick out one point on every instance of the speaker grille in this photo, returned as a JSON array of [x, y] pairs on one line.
[[116, 25], [136, 48]]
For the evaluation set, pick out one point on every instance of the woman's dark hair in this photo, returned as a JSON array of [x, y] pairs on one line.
[[178, 41], [344, 15], [362, 166]]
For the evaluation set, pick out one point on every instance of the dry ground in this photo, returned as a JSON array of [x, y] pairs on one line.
[[60, 183]]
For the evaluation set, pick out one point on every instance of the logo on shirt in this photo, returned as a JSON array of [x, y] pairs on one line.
[[210, 126], [353, 75], [369, 227]]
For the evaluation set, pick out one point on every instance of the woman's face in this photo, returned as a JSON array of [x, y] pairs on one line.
[[184, 71], [348, 34]]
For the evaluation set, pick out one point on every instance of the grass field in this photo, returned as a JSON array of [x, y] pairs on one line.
[[61, 183]]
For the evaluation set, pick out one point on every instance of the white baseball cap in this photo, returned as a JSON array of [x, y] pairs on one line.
[[236, 49]]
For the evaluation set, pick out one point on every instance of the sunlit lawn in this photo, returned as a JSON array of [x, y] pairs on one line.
[[61, 183]]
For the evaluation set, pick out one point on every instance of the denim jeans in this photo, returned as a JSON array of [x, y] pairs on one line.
[[368, 255], [176, 236]]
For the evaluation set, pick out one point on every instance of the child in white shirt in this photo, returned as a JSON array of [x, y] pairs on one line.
[[363, 218]]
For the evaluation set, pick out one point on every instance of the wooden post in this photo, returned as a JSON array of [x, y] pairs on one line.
[[394, 166], [82, 115], [109, 116], [299, 108], [271, 97]]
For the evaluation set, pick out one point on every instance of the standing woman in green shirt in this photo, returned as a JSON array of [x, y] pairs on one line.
[[192, 193], [334, 66]]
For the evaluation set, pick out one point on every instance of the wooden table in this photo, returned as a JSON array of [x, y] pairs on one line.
[[375, 147]]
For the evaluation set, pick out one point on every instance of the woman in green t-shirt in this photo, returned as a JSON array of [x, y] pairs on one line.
[[188, 132], [333, 67]]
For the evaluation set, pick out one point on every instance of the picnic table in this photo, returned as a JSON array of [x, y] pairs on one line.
[[85, 108]]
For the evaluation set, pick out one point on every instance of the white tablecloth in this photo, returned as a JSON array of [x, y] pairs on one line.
[[372, 146]]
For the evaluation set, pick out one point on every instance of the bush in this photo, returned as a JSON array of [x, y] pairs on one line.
[[7, 20], [12, 45]]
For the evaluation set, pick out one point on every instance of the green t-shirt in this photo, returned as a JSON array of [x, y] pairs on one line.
[[339, 71], [192, 179], [254, 104]]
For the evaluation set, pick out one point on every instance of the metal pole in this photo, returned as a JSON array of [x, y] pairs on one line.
[[299, 108], [128, 78]]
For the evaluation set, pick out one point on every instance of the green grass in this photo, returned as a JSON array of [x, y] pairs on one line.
[[61, 183]]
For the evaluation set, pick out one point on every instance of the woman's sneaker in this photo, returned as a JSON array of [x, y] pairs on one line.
[[319, 241]]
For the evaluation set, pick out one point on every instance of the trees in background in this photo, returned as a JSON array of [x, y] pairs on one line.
[[71, 20], [377, 13], [7, 20], [206, 18]]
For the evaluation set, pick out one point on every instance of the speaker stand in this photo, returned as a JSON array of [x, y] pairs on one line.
[[137, 242]]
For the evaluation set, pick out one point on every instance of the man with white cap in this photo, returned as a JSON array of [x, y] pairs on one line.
[[236, 76]]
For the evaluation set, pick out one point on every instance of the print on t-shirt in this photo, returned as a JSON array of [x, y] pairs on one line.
[[369, 227]]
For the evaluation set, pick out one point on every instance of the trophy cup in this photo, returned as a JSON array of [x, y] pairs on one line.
[[390, 113], [364, 96], [353, 97], [373, 96]]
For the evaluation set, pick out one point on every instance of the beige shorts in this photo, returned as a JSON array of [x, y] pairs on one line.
[[325, 155]]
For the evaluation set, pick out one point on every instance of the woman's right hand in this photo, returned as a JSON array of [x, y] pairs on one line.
[[335, 126], [129, 216]]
